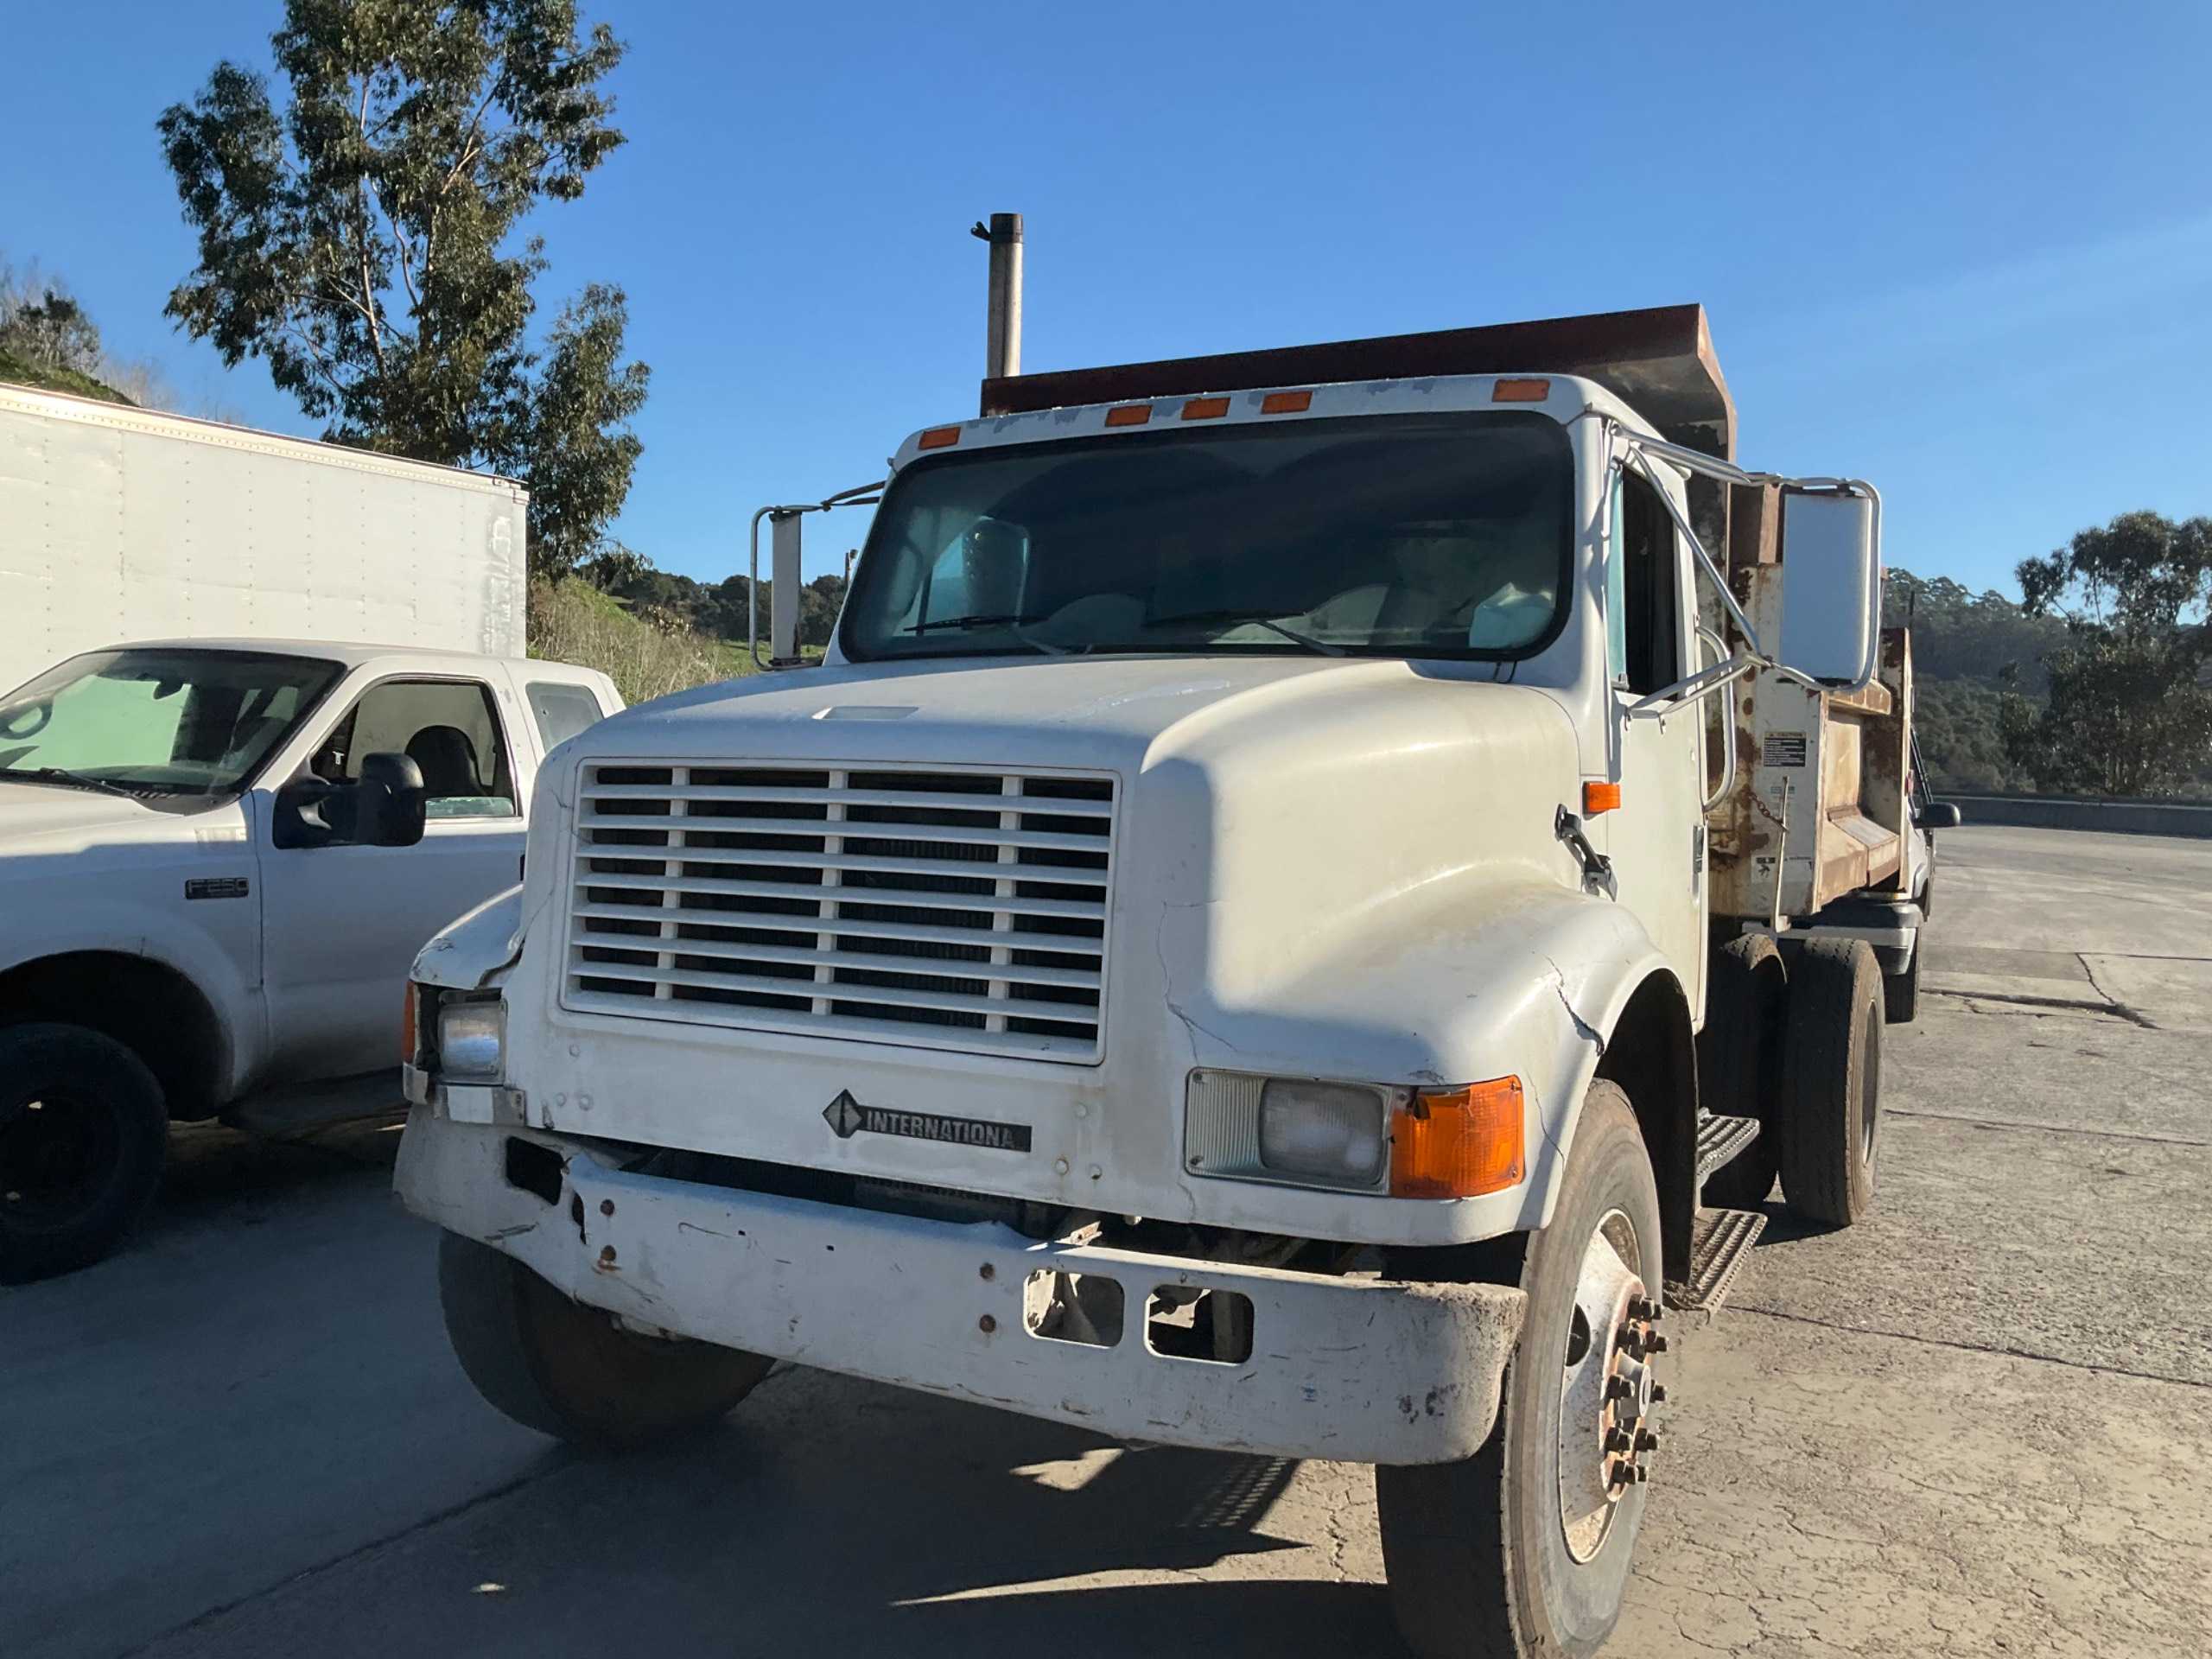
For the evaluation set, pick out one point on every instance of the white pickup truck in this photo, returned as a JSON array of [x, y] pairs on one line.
[[191, 907], [1276, 928]]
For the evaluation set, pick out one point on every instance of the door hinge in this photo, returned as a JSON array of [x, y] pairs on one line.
[[1697, 852]]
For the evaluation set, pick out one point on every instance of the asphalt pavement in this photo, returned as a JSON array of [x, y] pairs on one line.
[[1972, 1425]]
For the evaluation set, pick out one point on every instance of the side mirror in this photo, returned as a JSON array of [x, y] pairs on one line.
[[387, 808], [1831, 587], [1936, 815], [390, 802]]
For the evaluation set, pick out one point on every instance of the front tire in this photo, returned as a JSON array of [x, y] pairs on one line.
[[570, 1371], [84, 1134], [1831, 1081], [1503, 1553]]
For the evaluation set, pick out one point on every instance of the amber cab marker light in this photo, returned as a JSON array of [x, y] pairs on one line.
[[1459, 1143], [1520, 391], [1129, 415], [937, 438], [1205, 409], [1599, 797], [1286, 402]]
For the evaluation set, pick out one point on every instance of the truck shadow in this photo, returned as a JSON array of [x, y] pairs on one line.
[[219, 1174], [837, 1515]]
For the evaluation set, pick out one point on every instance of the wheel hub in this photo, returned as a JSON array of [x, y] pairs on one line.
[[1607, 1389]]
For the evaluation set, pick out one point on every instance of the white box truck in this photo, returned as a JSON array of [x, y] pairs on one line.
[[1275, 928], [224, 835], [126, 524]]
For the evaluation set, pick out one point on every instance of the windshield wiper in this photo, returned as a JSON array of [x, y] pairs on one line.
[[1297, 638], [72, 779], [1010, 620]]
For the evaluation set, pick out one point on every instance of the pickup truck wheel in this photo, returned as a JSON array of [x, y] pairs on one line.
[[82, 1136], [570, 1371], [1525, 1547], [1739, 1061], [1831, 1081]]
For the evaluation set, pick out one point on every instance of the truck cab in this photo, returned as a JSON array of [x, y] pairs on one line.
[[198, 906], [1219, 954]]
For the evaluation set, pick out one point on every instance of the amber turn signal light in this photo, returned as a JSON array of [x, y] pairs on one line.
[[1520, 391], [1599, 797], [1459, 1143]]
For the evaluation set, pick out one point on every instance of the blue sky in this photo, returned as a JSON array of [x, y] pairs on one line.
[[1963, 251]]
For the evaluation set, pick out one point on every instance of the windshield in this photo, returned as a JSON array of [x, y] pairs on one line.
[[161, 720], [1425, 535]]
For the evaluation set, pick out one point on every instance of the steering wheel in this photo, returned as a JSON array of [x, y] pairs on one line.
[[27, 719]]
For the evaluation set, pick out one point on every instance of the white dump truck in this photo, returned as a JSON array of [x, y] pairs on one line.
[[1275, 927], [219, 855]]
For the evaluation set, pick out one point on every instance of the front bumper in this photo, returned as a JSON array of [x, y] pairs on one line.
[[1363, 1370]]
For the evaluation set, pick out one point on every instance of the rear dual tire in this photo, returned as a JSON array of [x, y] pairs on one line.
[[1831, 1081]]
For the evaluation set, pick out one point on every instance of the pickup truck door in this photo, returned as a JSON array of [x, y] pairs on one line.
[[1655, 837], [341, 923]]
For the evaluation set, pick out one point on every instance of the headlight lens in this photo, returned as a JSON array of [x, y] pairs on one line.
[[1296, 1130], [472, 1039], [1328, 1132]]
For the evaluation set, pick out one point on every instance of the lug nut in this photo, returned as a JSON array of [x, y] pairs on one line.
[[1616, 1388], [1658, 1394], [1634, 1474], [1656, 1344], [1646, 1440], [1620, 1440]]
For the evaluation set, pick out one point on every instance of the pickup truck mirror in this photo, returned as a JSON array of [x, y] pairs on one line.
[[390, 802], [385, 807], [1936, 815], [1831, 586]]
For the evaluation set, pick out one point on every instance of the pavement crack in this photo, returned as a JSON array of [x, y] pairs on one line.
[[2119, 1007], [1969, 1347], [558, 1461], [2047, 1128], [2080, 1004]]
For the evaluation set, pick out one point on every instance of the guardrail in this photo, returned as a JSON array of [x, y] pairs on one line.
[[2068, 812]]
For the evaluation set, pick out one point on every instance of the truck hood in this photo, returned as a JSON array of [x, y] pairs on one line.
[[55, 818], [1111, 712]]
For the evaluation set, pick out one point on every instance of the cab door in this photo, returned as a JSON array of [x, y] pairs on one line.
[[1655, 837], [341, 923]]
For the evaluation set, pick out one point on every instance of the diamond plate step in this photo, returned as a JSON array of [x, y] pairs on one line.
[[1719, 1141], [1718, 1247]]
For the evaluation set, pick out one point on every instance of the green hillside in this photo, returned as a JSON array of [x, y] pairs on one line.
[[16, 371]]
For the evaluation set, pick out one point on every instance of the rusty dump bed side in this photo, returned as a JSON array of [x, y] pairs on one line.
[[1660, 360], [1820, 808]]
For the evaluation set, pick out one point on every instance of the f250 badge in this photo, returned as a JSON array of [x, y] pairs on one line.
[[847, 1118]]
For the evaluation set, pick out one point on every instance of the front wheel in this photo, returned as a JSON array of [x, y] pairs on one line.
[[84, 1134], [570, 1371], [1524, 1548]]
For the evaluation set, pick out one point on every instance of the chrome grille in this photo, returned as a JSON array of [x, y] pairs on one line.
[[940, 906]]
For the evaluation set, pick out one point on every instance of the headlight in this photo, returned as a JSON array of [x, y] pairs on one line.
[[1329, 1132], [1293, 1129], [472, 1039]]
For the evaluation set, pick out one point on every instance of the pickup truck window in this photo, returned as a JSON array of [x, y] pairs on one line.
[[158, 722], [562, 710], [1423, 536], [448, 727]]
